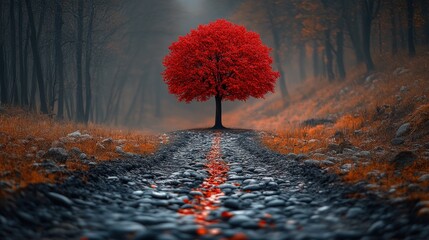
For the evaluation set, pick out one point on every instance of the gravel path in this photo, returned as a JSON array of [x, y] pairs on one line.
[[205, 185]]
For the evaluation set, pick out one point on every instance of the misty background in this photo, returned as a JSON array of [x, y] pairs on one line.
[[100, 61]]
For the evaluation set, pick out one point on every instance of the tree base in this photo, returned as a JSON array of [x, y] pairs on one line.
[[218, 127]]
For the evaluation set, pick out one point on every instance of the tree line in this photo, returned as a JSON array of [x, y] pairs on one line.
[[51, 52], [100, 60], [323, 34]]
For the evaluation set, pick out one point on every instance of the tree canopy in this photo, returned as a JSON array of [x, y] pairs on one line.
[[220, 59]]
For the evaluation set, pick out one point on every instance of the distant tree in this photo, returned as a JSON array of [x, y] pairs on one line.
[[394, 46], [59, 70], [369, 10], [12, 25], [79, 43], [410, 24], [220, 60], [36, 59], [425, 14]]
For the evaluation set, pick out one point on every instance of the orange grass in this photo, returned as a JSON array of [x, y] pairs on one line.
[[399, 182], [23, 134], [375, 108]]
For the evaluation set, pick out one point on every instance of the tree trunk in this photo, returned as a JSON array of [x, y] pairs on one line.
[[79, 43], [39, 32], [425, 15], [22, 74], [353, 29], [316, 60], [36, 59], [282, 81], [4, 98], [218, 116], [410, 23], [329, 56], [15, 97], [367, 16], [59, 75], [393, 29], [380, 38], [340, 52], [277, 58], [302, 74], [88, 62], [402, 32], [4, 93]]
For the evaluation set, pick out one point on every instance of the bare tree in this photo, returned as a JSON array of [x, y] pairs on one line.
[[22, 73], [15, 97], [88, 54], [394, 45], [410, 24], [36, 59], [79, 43], [59, 61], [369, 10]]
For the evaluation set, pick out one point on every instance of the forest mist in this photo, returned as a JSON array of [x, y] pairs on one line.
[[100, 61]]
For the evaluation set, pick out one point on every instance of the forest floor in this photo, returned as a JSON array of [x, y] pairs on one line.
[[206, 185], [371, 129], [347, 160], [37, 149]]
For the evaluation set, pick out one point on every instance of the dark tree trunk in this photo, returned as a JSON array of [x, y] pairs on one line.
[[276, 39], [340, 52], [4, 93], [402, 32], [353, 29], [316, 60], [88, 62], [329, 56], [4, 98], [59, 75], [369, 10], [133, 105], [380, 38], [22, 73], [410, 24], [79, 43], [218, 116], [425, 15], [36, 59], [323, 61], [302, 54], [282, 81], [39, 32], [15, 97], [393, 29]]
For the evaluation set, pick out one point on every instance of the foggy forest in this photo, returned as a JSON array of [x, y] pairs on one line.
[[320, 111], [101, 61]]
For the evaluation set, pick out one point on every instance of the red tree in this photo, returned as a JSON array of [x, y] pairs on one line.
[[219, 59]]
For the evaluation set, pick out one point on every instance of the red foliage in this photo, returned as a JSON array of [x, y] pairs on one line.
[[219, 59]]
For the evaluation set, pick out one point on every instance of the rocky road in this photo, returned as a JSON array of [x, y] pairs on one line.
[[205, 185]]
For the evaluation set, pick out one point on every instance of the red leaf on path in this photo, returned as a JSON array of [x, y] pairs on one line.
[[226, 214], [262, 223], [238, 236], [201, 231]]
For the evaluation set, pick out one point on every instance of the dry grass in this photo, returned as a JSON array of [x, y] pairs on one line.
[[23, 135], [299, 139], [367, 111]]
